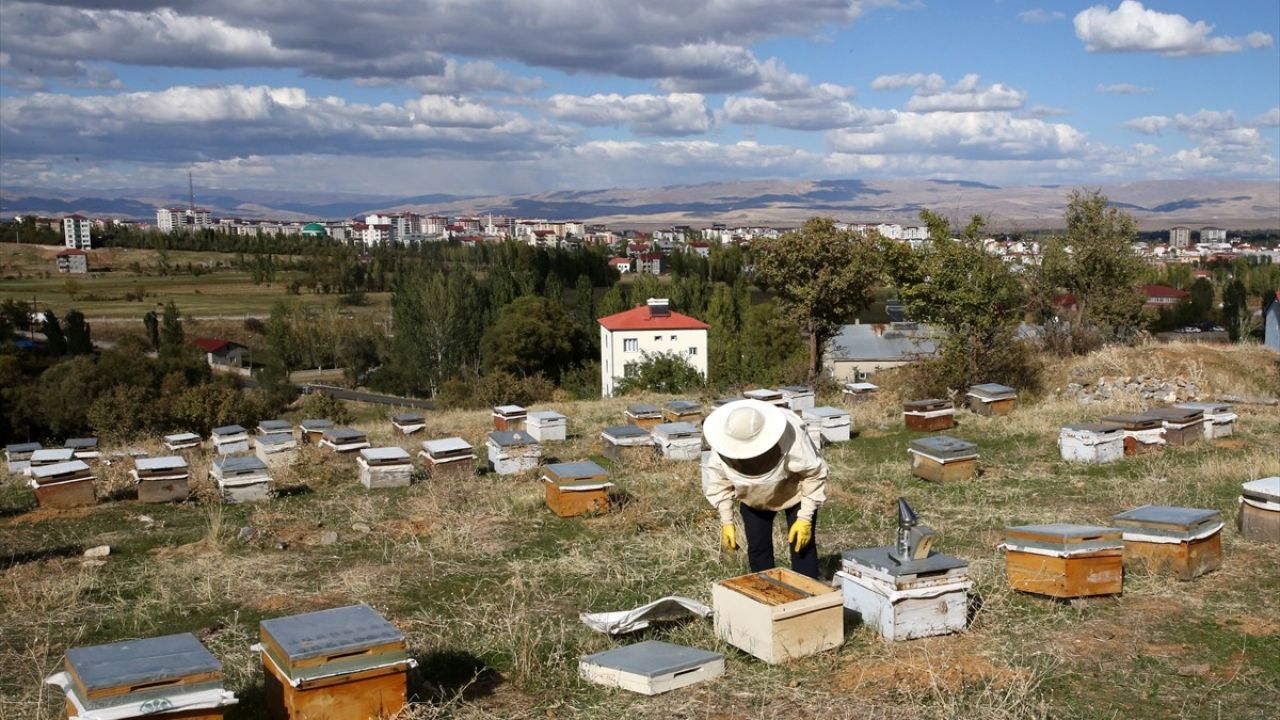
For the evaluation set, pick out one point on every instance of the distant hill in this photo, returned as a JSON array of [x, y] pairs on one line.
[[1240, 204]]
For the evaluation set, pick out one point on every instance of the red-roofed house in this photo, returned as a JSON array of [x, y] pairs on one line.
[[621, 264], [73, 261], [220, 352], [1162, 296], [650, 329]]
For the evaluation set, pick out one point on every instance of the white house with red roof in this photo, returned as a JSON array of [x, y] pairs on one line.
[[650, 329]]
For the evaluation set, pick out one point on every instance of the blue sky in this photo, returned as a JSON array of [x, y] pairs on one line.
[[501, 96]]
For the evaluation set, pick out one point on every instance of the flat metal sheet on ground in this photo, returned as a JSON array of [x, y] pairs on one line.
[[652, 658]]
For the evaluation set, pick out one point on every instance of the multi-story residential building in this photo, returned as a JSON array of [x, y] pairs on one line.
[[1179, 236], [1213, 235], [173, 219], [650, 329], [76, 232]]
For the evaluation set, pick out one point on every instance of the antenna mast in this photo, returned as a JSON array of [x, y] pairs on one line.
[[191, 187]]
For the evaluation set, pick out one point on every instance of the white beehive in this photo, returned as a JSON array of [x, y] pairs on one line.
[[678, 440], [547, 426], [832, 423], [385, 467], [1095, 443]]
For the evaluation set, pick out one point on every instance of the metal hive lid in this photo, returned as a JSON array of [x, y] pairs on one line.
[[343, 434], [1097, 427], [652, 658], [275, 425], [274, 439], [228, 430], [1175, 414], [511, 438], [927, 404], [795, 390], [316, 424], [181, 437], [577, 470], [1062, 531], [683, 405], [825, 411], [861, 386], [943, 446], [1134, 422], [1185, 518], [643, 409], [762, 394], [52, 454], [81, 443], [168, 462], [508, 410], [992, 390], [624, 431], [239, 463], [443, 445], [43, 471], [135, 662], [408, 417], [1208, 408], [384, 453], [675, 428], [546, 415], [1266, 488], [327, 632], [22, 447], [878, 558]]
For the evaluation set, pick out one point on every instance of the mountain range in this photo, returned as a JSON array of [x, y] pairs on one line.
[[1236, 204]]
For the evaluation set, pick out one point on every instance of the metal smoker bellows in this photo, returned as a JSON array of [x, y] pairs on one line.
[[913, 540]]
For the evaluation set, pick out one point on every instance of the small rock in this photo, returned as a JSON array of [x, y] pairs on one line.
[[92, 563], [146, 519], [1196, 670], [100, 551], [282, 545], [246, 534], [328, 537], [360, 527]]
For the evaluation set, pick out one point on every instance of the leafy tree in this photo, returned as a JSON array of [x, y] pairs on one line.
[[531, 335], [152, 323], [822, 276], [171, 335], [614, 301], [438, 321], [724, 349], [79, 341], [1235, 310], [55, 341], [124, 412], [1095, 263], [1200, 304], [319, 405], [666, 372], [772, 351], [553, 289]]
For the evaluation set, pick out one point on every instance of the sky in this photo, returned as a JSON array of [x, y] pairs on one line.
[[408, 97]]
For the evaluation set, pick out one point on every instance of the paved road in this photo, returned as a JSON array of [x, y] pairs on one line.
[[366, 397]]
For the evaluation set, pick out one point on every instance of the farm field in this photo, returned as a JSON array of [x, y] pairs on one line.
[[28, 272], [487, 583]]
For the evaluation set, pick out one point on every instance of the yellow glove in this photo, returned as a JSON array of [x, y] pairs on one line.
[[800, 535], [728, 538]]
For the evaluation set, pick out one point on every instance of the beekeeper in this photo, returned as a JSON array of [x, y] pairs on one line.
[[762, 460]]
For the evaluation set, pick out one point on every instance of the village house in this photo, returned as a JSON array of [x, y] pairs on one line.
[[650, 329], [860, 350], [1156, 297], [73, 261], [222, 353], [621, 264]]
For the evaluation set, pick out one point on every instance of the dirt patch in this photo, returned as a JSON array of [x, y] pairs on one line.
[[42, 514], [920, 671], [1251, 625], [1230, 444], [295, 602]]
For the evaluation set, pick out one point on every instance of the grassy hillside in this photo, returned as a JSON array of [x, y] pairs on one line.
[[488, 584]]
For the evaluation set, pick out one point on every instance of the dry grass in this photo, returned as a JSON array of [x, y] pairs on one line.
[[487, 584]]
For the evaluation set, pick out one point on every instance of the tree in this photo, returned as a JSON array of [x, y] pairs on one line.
[[614, 301], [1200, 304], [822, 276], [724, 349], [666, 372], [152, 323], [438, 321], [1235, 310], [55, 342], [531, 335], [171, 335], [79, 341], [1095, 263]]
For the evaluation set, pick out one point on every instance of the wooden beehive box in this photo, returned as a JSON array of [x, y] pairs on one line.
[[85, 448], [992, 399], [797, 397], [512, 452], [643, 415], [230, 439], [1185, 542], [385, 467], [18, 455], [678, 440], [408, 423], [275, 427], [1094, 443], [921, 598], [181, 441], [276, 449], [509, 418], [313, 430], [766, 395], [943, 459], [576, 488], [682, 411], [859, 392], [161, 479], [241, 478], [1219, 418], [831, 423], [343, 440], [1259, 518], [1064, 561], [142, 679], [448, 457], [547, 426], [778, 615], [626, 442], [1182, 427], [650, 667], [1142, 433], [63, 485], [929, 415], [345, 663]]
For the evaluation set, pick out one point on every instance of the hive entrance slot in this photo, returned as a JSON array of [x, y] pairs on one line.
[[343, 656], [151, 685]]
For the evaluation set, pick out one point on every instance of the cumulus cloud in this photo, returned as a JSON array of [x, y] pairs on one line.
[[1039, 16], [1147, 125], [1045, 111], [931, 83], [985, 135], [1134, 28], [1121, 89], [967, 95], [459, 78], [825, 107], [196, 124], [1270, 118], [1216, 131], [672, 114]]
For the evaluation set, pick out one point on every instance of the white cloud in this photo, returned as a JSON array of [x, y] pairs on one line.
[[824, 108], [1122, 89], [1038, 16], [672, 114], [466, 77], [1270, 118], [1045, 111], [1217, 132], [1147, 125], [1133, 28], [929, 83], [985, 135], [967, 95]]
